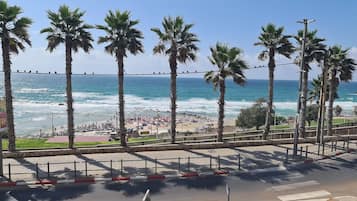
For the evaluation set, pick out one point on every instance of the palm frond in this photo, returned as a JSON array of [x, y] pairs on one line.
[[229, 63], [121, 34], [67, 26]]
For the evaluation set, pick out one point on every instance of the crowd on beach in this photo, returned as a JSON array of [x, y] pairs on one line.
[[143, 124]]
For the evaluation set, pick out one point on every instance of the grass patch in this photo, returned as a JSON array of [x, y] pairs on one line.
[[142, 139], [335, 121], [26, 143]]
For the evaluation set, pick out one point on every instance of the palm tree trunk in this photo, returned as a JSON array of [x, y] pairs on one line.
[[321, 104], [8, 92], [303, 102], [121, 99], [222, 91], [270, 93], [70, 121], [173, 97], [319, 115], [331, 97]]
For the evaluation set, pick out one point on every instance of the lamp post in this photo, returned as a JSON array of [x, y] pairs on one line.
[[299, 128]]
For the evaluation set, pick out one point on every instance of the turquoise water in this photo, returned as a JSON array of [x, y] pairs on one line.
[[95, 96]]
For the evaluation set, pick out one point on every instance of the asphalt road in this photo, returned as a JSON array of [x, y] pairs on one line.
[[332, 178]]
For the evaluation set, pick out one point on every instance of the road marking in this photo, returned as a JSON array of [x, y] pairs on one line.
[[304, 196], [288, 176], [346, 198], [295, 185], [266, 170], [319, 199]]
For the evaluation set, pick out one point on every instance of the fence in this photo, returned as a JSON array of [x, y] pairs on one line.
[[120, 168], [142, 165], [251, 135]]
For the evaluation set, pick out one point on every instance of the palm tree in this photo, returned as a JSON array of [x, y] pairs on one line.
[[230, 64], [121, 37], [14, 35], [177, 42], [274, 42], [340, 69], [68, 27], [314, 52], [314, 92]]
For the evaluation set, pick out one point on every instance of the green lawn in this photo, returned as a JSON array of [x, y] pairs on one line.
[[336, 121], [25, 143]]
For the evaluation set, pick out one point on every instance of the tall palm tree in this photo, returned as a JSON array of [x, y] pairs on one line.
[[178, 42], [340, 69], [274, 42], [14, 35], [121, 37], [68, 27], [230, 64], [314, 52], [314, 92]]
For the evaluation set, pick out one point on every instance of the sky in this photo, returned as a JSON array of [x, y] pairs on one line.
[[235, 22]]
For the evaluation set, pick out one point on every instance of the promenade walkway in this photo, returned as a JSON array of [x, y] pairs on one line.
[[111, 165]]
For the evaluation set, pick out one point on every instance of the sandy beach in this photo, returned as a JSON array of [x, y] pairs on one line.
[[144, 125]]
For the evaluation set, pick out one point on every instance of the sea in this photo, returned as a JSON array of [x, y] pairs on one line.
[[40, 98]]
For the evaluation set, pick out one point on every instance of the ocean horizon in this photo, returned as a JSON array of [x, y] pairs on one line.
[[39, 96]]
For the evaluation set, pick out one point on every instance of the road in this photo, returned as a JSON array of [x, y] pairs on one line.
[[334, 179]]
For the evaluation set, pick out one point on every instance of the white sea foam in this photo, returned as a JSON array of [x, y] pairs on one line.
[[32, 90], [198, 105], [35, 115], [81, 95], [39, 118]]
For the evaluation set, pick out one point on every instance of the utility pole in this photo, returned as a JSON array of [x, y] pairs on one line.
[[324, 91], [53, 128], [299, 125]]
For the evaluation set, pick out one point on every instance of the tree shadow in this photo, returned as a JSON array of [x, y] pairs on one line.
[[202, 182], [185, 165], [130, 189], [36, 171], [59, 193]]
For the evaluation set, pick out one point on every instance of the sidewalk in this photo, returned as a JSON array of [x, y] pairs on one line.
[[168, 163]]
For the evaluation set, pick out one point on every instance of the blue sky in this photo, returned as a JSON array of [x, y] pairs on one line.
[[236, 22]]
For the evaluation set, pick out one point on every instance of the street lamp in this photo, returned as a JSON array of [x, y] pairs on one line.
[[299, 128]]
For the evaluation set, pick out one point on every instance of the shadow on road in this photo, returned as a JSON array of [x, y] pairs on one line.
[[130, 189], [60, 193]]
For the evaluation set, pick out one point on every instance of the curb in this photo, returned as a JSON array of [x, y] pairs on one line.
[[7, 184], [189, 174], [156, 177], [46, 182], [121, 179], [85, 180], [221, 172]]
